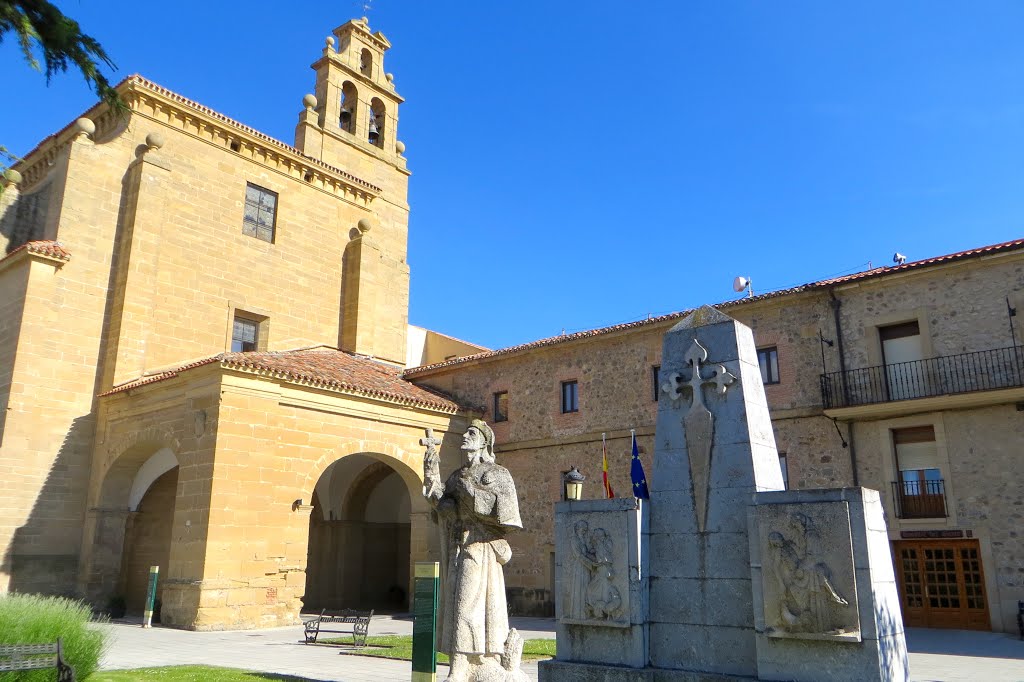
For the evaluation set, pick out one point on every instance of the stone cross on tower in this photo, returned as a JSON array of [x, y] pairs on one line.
[[699, 423]]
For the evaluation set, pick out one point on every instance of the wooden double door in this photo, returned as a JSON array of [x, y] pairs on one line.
[[942, 584]]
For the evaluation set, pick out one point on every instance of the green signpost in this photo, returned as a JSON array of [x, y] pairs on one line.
[[147, 617], [424, 629]]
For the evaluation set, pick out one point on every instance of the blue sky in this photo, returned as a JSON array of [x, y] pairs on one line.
[[577, 165]]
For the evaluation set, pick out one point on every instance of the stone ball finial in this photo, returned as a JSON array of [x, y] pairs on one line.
[[364, 225], [330, 41], [84, 126], [154, 140], [309, 101], [390, 77], [12, 177], [400, 147]]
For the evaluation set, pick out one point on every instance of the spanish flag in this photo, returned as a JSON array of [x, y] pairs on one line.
[[608, 492]]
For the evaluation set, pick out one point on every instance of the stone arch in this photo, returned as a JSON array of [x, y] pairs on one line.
[[359, 491], [123, 459], [131, 467], [349, 107], [359, 555], [366, 63], [377, 126], [408, 466]]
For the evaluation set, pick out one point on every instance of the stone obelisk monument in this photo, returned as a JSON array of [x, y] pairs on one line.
[[723, 574], [714, 448]]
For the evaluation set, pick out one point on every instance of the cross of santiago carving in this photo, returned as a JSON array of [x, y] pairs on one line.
[[696, 357]]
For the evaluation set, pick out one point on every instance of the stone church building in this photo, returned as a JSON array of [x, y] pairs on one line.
[[206, 365]]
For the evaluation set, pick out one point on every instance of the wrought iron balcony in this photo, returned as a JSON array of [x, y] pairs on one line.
[[986, 370], [920, 499]]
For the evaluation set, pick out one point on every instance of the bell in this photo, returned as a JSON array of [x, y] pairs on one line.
[[374, 135], [346, 118]]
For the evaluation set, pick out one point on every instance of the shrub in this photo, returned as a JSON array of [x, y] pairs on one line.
[[35, 619]]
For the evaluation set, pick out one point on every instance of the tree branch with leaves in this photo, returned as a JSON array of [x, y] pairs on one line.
[[43, 31]]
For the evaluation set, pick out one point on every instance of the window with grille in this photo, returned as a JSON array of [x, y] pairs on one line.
[[244, 335], [260, 213]]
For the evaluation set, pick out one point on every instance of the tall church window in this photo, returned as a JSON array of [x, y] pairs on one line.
[[260, 213], [349, 99], [375, 133]]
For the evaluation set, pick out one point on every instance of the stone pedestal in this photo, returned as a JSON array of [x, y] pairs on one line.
[[838, 541], [601, 581], [746, 580]]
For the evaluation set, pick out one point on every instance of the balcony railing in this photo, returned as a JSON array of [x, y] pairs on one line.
[[920, 499], [985, 370]]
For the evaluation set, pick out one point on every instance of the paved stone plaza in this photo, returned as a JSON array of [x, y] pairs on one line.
[[935, 655]]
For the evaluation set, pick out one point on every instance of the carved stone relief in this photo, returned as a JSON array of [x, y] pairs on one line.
[[699, 424], [595, 575], [807, 571]]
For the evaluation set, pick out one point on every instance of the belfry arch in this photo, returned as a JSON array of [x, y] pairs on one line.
[[360, 533]]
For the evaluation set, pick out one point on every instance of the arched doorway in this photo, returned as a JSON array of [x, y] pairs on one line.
[[129, 528], [147, 540], [359, 538]]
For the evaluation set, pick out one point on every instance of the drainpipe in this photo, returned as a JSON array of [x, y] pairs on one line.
[[836, 305]]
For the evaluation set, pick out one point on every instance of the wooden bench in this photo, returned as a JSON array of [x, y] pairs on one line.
[[342, 622], [36, 657]]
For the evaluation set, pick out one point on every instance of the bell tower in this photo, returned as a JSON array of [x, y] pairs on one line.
[[356, 104], [351, 123]]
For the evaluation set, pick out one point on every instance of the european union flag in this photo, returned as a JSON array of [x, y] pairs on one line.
[[636, 472]]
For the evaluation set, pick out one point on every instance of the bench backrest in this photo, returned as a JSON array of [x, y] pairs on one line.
[[28, 656], [345, 616]]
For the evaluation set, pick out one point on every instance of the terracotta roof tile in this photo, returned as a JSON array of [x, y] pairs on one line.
[[44, 247], [320, 367], [822, 284]]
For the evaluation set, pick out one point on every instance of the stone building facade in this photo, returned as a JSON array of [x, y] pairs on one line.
[[198, 324], [903, 379], [206, 365]]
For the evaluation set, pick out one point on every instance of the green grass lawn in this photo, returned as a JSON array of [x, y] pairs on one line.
[[400, 647], [189, 673]]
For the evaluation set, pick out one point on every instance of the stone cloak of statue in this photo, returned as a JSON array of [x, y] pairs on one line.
[[476, 508]]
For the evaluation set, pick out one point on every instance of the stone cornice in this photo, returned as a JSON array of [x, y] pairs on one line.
[[147, 99], [359, 26], [162, 105]]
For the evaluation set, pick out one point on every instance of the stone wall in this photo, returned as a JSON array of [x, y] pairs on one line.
[[961, 307], [251, 451], [150, 207]]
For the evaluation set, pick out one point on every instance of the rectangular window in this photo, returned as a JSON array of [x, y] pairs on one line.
[[501, 406], [570, 397], [260, 213], [655, 381], [768, 359], [784, 464], [244, 335]]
